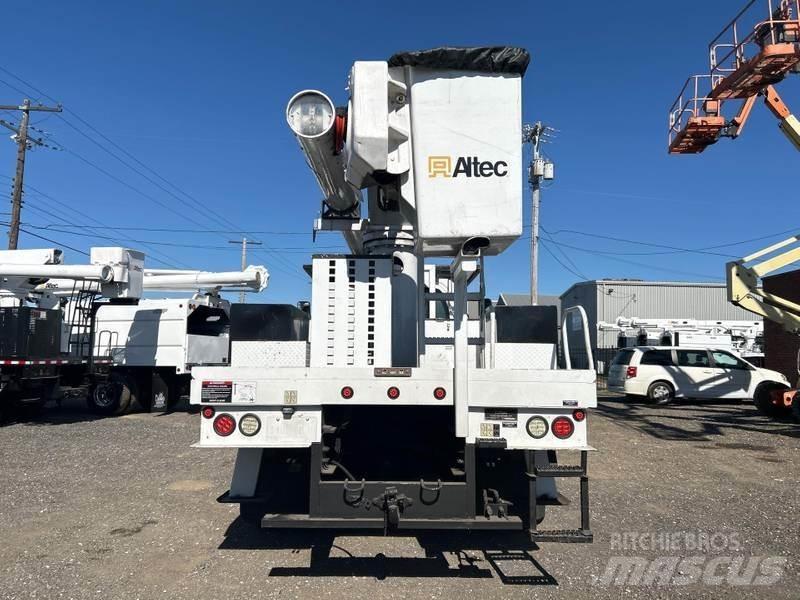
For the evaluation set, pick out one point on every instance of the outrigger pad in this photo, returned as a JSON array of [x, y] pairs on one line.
[[489, 59]]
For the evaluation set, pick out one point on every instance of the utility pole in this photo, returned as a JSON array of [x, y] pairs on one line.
[[244, 242], [539, 169], [23, 144]]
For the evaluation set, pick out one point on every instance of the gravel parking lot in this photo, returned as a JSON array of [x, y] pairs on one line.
[[124, 508]]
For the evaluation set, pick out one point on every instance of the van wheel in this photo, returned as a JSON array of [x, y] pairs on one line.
[[660, 392], [762, 398]]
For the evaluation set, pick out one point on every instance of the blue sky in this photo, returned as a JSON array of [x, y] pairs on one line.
[[197, 90]]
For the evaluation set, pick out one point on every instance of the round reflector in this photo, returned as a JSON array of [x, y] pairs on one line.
[[208, 412], [224, 425], [440, 393], [579, 415], [249, 425], [562, 427], [347, 392], [393, 393], [537, 427]]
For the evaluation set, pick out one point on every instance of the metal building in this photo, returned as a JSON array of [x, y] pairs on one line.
[[607, 299]]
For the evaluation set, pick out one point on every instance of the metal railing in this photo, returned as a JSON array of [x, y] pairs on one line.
[[586, 338], [691, 102], [782, 18]]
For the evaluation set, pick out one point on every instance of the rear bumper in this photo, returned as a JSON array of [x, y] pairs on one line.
[[307, 522]]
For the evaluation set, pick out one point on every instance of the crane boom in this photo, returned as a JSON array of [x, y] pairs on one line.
[[744, 283]]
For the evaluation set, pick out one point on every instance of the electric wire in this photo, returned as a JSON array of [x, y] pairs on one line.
[[133, 188], [170, 262]]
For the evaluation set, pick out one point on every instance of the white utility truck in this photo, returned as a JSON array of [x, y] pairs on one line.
[[152, 344], [35, 350], [417, 405], [745, 338]]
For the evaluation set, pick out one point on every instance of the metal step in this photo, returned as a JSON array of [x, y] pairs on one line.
[[451, 296], [448, 341], [557, 470], [573, 536]]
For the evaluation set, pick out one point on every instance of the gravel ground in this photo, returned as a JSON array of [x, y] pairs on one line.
[[124, 508]]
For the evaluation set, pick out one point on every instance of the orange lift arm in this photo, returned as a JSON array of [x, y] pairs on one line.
[[788, 123]]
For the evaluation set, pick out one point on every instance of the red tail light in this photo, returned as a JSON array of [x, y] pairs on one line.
[[347, 392], [393, 393], [208, 412], [224, 425], [630, 373], [562, 427], [440, 393], [579, 415]]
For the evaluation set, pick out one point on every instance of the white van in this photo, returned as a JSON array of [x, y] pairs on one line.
[[662, 373]]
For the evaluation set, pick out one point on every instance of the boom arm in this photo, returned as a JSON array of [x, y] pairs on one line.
[[744, 289], [788, 123], [253, 278]]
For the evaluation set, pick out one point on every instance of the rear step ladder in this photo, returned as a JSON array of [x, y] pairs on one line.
[[553, 469]]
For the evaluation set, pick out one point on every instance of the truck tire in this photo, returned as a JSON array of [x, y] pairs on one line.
[[660, 392], [762, 398], [112, 397], [796, 407]]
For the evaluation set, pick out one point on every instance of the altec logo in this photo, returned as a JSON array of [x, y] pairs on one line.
[[468, 166]]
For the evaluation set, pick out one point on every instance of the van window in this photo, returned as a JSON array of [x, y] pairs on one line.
[[623, 357], [692, 358], [728, 361], [657, 357]]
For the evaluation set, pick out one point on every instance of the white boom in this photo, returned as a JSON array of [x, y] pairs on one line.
[[254, 278], [102, 273], [116, 272]]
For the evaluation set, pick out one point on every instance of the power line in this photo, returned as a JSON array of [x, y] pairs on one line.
[[207, 210], [564, 254], [170, 262], [639, 243], [57, 243], [545, 245], [176, 244], [611, 256], [227, 231]]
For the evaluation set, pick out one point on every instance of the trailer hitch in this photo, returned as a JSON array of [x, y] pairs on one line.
[[393, 505]]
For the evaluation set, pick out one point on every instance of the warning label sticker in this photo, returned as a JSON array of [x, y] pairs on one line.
[[244, 391], [216, 392], [506, 416]]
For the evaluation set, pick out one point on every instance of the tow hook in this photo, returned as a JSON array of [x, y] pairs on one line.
[[493, 504], [393, 505]]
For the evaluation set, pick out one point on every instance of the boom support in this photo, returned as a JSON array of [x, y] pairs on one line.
[[744, 289]]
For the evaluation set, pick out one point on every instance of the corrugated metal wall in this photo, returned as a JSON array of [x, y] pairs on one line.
[[607, 300]]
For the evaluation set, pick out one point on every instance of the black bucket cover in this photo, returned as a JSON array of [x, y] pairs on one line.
[[489, 59]]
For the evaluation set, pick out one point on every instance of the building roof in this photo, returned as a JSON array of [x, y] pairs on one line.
[[641, 282], [507, 299]]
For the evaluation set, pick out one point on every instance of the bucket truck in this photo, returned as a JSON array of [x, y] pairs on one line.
[[745, 338], [34, 338], [153, 344], [408, 401]]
